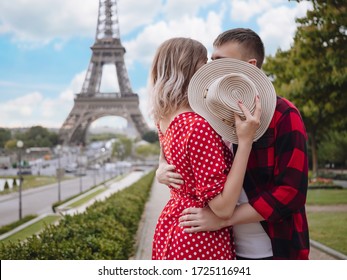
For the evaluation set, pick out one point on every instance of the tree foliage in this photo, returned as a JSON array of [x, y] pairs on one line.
[[5, 135], [333, 149], [145, 151], [122, 147], [151, 136], [37, 136], [313, 73]]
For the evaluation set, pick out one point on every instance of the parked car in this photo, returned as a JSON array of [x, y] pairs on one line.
[[24, 171], [81, 172], [71, 168]]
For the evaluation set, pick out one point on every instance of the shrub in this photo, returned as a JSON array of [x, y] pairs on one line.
[[105, 231]]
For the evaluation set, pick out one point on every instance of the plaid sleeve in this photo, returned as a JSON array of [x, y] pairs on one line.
[[288, 194]]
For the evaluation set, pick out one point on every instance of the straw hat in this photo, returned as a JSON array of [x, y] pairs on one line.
[[216, 88]]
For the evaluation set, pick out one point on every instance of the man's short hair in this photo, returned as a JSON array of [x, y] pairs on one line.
[[252, 45]]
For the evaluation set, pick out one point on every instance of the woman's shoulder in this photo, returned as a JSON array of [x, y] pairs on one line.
[[193, 119], [200, 126]]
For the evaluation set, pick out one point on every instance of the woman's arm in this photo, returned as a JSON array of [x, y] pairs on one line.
[[223, 205]]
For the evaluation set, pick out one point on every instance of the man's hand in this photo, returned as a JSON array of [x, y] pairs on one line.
[[200, 219], [165, 175]]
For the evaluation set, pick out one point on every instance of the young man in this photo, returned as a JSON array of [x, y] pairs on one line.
[[270, 222]]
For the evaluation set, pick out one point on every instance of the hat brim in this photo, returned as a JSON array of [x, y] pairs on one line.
[[211, 71]]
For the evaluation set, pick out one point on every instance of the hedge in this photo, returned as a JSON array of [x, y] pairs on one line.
[[105, 231]]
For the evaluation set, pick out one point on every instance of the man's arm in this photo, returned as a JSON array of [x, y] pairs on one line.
[[288, 194], [203, 219]]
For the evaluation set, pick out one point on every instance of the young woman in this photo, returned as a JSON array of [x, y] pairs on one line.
[[199, 154]]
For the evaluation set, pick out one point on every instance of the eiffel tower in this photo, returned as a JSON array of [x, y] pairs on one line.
[[90, 104]]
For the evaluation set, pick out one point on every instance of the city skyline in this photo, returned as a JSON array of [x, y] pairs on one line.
[[46, 50]]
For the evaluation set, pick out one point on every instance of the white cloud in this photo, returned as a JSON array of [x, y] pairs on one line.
[[36, 109], [135, 13], [75, 86], [39, 22], [21, 108], [277, 26], [145, 44], [175, 9], [275, 20], [245, 10]]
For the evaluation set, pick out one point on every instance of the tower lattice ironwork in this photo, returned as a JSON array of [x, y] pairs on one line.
[[91, 104]]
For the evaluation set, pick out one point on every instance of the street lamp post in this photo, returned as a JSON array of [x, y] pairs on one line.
[[103, 172], [20, 145], [59, 173], [95, 175], [81, 185]]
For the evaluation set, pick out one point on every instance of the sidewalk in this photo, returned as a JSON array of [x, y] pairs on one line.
[[159, 195], [158, 198], [112, 187]]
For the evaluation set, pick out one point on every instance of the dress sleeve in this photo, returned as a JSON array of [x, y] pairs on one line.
[[206, 152]]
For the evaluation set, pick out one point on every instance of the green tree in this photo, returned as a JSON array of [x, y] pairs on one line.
[[151, 136], [122, 147], [5, 135], [332, 149], [38, 136], [11, 144], [145, 151], [313, 73]]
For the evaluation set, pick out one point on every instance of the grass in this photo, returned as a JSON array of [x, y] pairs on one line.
[[329, 228], [15, 224], [326, 197], [58, 203], [86, 198], [32, 181], [32, 229]]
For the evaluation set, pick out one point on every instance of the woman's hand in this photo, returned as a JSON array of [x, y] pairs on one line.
[[246, 129], [166, 175], [200, 219]]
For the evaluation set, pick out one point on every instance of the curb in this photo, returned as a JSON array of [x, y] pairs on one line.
[[65, 206], [328, 250], [19, 228]]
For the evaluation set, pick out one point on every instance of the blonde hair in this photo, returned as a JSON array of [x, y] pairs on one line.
[[174, 64]]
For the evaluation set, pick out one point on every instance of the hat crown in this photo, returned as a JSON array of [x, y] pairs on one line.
[[224, 93], [216, 88]]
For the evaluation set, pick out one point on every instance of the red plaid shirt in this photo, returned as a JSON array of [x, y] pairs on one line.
[[276, 182]]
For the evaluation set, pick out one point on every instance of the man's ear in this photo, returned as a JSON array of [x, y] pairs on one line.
[[253, 61]]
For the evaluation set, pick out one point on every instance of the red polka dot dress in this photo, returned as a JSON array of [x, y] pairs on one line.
[[203, 160]]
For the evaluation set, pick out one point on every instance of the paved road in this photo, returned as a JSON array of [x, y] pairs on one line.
[[341, 183], [40, 200]]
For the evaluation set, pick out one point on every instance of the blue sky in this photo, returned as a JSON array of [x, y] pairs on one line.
[[45, 46]]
